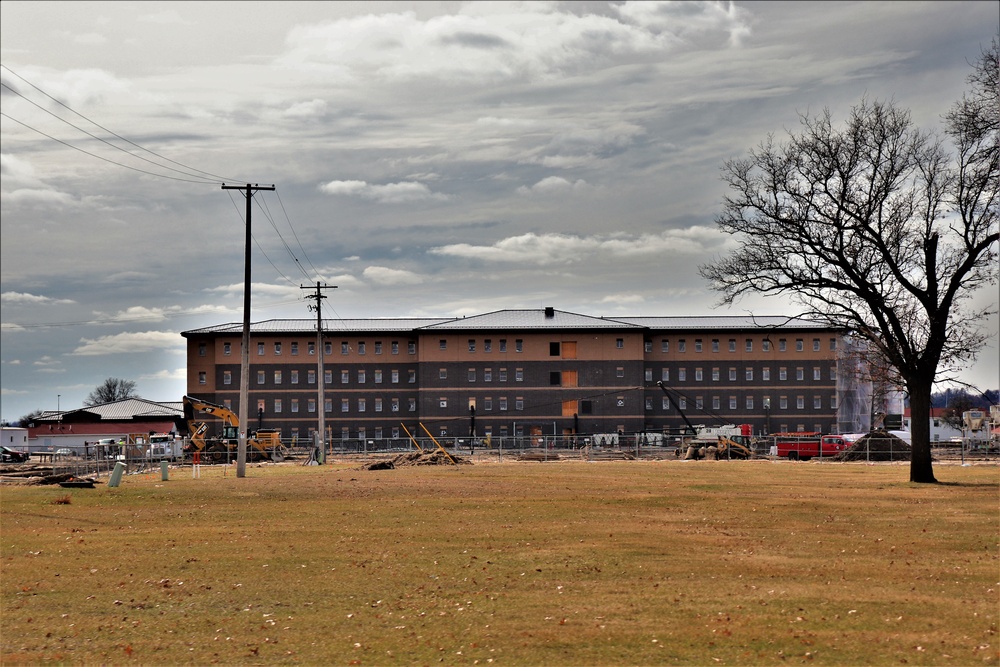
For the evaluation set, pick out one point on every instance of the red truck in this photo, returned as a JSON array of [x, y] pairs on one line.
[[803, 445]]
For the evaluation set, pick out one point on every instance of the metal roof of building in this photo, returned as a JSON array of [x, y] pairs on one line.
[[125, 409], [529, 319], [747, 322], [513, 320]]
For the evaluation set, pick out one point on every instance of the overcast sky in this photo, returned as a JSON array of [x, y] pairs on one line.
[[431, 159]]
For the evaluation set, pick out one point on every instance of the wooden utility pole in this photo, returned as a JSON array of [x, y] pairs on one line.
[[320, 373], [241, 452]]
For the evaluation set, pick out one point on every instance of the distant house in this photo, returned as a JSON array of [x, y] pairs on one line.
[[941, 431], [80, 428]]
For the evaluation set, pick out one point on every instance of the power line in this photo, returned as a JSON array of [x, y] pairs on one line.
[[214, 178]]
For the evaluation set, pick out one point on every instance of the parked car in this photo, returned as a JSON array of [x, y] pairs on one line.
[[65, 451], [13, 456]]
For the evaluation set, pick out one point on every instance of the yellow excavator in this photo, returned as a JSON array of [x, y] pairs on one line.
[[262, 445]]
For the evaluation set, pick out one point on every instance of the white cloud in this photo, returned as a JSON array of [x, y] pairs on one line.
[[123, 343], [385, 276], [31, 299], [390, 193], [310, 109], [89, 39], [567, 249], [176, 374], [554, 185]]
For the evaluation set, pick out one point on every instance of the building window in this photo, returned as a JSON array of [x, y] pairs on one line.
[[295, 405], [553, 349], [765, 374], [412, 405], [328, 376], [394, 406], [817, 373], [311, 349], [749, 402], [344, 347], [749, 374], [411, 347], [698, 375], [361, 376], [202, 349], [487, 345], [519, 403], [345, 405], [682, 345], [487, 403], [800, 374], [311, 377], [620, 372], [800, 402], [327, 405], [833, 402], [394, 376], [647, 346], [412, 376], [682, 375], [277, 377], [472, 375], [378, 347], [732, 344], [361, 347], [833, 344], [378, 377], [665, 403], [749, 345], [782, 345], [443, 344], [503, 403], [442, 373], [715, 374], [394, 347], [327, 348], [227, 377], [732, 374], [487, 375], [817, 402], [833, 372], [260, 349], [311, 405], [649, 403], [765, 345], [649, 374], [378, 405], [518, 345], [782, 373], [715, 345], [815, 344], [295, 349], [362, 404], [202, 377], [783, 402], [665, 375], [294, 377], [699, 403], [697, 345], [732, 402], [519, 375], [261, 377], [503, 375], [682, 403], [277, 405], [227, 349], [799, 345], [619, 343], [664, 345], [716, 403], [277, 348], [345, 377], [503, 344], [472, 345]]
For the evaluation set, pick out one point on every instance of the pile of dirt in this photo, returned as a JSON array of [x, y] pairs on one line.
[[435, 458], [878, 445]]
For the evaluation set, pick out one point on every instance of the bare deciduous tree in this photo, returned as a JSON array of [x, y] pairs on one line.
[[878, 228], [112, 389]]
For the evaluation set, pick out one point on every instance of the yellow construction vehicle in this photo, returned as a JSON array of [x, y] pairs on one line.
[[264, 444]]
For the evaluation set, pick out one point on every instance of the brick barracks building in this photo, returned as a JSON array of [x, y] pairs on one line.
[[534, 372]]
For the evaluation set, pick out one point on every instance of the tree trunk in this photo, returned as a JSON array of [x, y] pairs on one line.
[[921, 468]]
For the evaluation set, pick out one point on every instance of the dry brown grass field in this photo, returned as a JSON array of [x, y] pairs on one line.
[[559, 563]]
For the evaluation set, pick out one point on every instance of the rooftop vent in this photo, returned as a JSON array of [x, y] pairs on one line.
[[550, 311]]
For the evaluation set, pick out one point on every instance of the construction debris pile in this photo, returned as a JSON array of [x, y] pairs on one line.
[[877, 446], [425, 458], [31, 474]]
